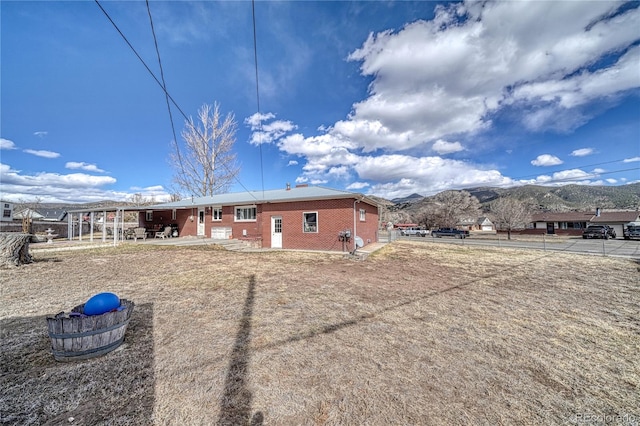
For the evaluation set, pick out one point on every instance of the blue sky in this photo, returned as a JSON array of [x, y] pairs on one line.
[[383, 98]]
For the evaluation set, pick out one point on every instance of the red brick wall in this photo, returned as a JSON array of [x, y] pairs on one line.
[[334, 216]]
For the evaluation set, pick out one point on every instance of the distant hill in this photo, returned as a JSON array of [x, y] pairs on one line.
[[568, 197], [413, 198], [381, 201], [72, 206], [555, 199]]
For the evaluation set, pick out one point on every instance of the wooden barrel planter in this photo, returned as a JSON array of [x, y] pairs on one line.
[[78, 336]]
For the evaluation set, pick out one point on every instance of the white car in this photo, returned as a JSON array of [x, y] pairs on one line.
[[414, 231]]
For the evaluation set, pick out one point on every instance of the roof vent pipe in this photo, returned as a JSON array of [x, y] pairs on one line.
[[288, 186], [598, 212]]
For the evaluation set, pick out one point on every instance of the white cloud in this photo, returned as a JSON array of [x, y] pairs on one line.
[[571, 175], [40, 134], [631, 160], [582, 152], [55, 187], [423, 175], [437, 82], [44, 179], [478, 58], [42, 153], [357, 186], [585, 86], [546, 160], [315, 146], [7, 144], [292, 163], [83, 166], [268, 132], [443, 147], [256, 119]]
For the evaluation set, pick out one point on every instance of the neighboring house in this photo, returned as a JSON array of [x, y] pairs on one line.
[[42, 214], [303, 217], [573, 223], [616, 220], [7, 211], [481, 224]]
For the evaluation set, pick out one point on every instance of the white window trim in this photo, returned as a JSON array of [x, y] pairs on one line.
[[235, 213], [174, 214], [304, 231], [148, 216], [363, 213], [213, 210]]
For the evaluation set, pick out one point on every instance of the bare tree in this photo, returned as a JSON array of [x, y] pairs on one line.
[[28, 209], [398, 217], [208, 165], [429, 216], [510, 213], [140, 200], [453, 206]]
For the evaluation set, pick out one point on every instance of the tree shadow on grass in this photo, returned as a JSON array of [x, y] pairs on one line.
[[235, 406], [117, 388]]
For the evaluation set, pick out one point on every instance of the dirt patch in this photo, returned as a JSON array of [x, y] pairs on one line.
[[418, 333]]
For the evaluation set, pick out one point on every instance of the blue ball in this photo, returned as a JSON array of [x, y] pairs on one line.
[[101, 303]]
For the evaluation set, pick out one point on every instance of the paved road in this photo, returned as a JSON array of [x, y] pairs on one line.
[[617, 247]]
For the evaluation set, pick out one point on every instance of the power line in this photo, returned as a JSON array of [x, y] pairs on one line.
[[162, 87], [588, 176], [255, 58], [577, 167]]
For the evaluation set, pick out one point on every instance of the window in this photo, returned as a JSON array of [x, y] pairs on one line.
[[245, 214], [216, 214], [6, 213], [149, 216], [173, 214], [362, 215], [310, 222], [6, 205]]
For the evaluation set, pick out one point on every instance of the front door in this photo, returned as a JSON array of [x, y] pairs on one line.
[[276, 231], [551, 228], [201, 221]]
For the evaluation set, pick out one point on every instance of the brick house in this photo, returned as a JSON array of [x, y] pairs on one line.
[[574, 223], [303, 217]]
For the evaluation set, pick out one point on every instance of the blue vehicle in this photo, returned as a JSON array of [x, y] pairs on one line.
[[450, 232]]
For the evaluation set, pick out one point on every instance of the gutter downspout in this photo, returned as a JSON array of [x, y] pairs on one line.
[[355, 247]]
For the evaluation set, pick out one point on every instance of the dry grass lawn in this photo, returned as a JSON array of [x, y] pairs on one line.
[[416, 334]]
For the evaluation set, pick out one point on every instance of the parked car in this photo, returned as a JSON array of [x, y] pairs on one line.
[[414, 231], [599, 231], [631, 232], [450, 232]]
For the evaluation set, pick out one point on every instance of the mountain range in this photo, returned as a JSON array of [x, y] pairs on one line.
[[556, 199]]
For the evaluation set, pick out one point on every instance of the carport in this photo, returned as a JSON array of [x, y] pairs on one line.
[[112, 218]]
